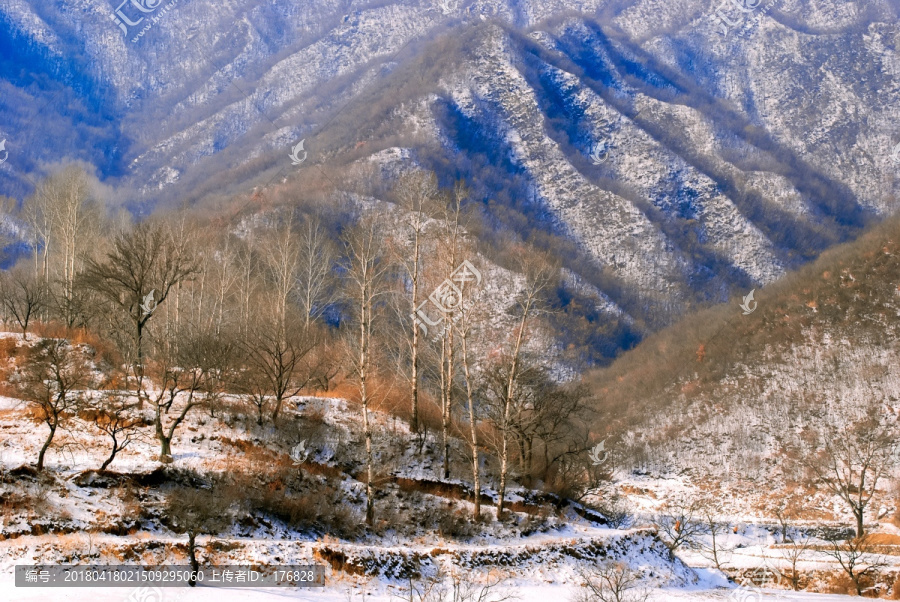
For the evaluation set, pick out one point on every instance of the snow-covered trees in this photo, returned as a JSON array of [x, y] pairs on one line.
[[290, 300]]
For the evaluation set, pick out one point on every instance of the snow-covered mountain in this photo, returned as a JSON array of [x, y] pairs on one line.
[[681, 150], [730, 397]]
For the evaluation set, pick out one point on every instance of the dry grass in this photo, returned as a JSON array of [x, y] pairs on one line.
[[79, 336], [885, 539]]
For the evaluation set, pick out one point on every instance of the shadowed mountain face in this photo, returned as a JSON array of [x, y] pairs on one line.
[[670, 152]]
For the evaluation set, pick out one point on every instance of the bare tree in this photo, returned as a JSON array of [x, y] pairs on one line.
[[53, 379], [783, 513], [197, 512], [858, 559], [179, 373], [454, 587], [850, 459], [611, 582], [793, 552], [678, 524], [529, 302], [216, 357], [543, 412], [467, 327], [452, 244], [248, 285], [215, 287], [366, 273], [416, 194], [280, 251], [138, 274], [37, 213], [278, 362], [716, 549], [22, 296], [65, 222], [114, 414], [316, 287]]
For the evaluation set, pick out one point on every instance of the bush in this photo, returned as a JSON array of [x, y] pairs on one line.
[[617, 511], [320, 510], [456, 525]]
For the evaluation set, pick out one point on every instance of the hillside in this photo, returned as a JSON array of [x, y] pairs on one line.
[[725, 397], [457, 300], [668, 162]]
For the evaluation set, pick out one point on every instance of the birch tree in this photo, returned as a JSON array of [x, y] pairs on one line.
[[316, 286], [366, 274], [280, 250], [416, 194], [65, 222], [468, 328], [530, 301]]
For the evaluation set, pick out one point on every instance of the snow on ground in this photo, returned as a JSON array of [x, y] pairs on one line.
[[539, 567], [348, 593]]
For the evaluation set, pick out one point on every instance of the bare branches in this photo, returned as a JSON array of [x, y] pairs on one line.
[[800, 544], [611, 582], [114, 414], [148, 260], [859, 560], [367, 271], [278, 362], [22, 296], [678, 524], [54, 375], [850, 459], [454, 587]]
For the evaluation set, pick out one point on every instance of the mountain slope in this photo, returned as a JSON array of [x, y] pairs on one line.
[[726, 394], [667, 162]]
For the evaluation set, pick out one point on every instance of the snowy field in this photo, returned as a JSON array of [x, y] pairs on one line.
[[525, 593], [540, 565]]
